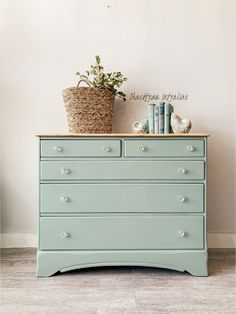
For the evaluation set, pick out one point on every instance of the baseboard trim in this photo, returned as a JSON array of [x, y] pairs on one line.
[[221, 240], [18, 240]]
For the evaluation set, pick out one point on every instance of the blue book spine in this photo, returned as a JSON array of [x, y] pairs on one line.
[[151, 118], [167, 113], [156, 119], [161, 117]]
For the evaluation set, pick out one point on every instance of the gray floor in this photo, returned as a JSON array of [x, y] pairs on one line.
[[116, 290]]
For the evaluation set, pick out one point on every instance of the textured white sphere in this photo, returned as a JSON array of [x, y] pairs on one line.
[[180, 125]]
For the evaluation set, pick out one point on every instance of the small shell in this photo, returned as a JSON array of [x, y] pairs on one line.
[[137, 126], [141, 127], [180, 125]]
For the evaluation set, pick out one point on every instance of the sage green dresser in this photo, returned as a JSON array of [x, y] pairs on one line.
[[122, 199]]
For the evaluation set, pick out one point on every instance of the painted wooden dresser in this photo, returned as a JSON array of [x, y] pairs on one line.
[[122, 199]]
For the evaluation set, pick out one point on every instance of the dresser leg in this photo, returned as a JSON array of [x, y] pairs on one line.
[[47, 265], [203, 272], [199, 265]]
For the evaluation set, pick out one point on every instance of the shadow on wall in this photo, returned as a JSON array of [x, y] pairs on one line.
[[125, 113], [221, 183]]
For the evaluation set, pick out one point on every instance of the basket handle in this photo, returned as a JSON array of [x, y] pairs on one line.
[[82, 81]]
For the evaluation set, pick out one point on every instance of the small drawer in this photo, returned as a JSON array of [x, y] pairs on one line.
[[122, 170], [164, 148], [80, 148], [121, 232], [121, 198]]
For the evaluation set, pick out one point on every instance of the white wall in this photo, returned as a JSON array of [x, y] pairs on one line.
[[161, 45]]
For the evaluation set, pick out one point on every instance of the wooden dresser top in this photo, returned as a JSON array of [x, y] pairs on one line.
[[121, 135]]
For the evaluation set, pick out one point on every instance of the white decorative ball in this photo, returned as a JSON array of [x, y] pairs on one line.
[[180, 125]]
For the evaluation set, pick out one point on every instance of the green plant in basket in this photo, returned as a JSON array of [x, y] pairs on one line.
[[97, 78]]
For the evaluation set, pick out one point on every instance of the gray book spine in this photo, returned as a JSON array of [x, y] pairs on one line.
[[156, 119], [161, 117]]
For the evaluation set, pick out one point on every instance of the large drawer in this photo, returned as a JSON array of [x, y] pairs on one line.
[[121, 232], [123, 170], [105, 198], [80, 148], [164, 148]]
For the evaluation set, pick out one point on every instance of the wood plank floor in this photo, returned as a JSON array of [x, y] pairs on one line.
[[116, 290]]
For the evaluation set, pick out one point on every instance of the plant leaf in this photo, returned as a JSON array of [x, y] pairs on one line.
[[98, 60], [97, 78]]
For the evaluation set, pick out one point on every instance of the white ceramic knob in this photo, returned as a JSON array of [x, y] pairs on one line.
[[189, 148], [181, 233], [181, 170], [141, 148], [64, 199], [57, 149], [64, 235], [107, 148], [181, 198], [65, 171]]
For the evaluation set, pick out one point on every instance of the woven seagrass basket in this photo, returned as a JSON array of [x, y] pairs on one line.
[[89, 110]]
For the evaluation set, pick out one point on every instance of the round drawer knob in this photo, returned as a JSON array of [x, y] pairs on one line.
[[57, 149], [181, 234], [189, 148], [65, 171], [107, 148], [64, 199], [181, 170], [181, 198], [65, 235], [141, 148]]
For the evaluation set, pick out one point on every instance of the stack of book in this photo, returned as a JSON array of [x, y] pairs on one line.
[[159, 118]]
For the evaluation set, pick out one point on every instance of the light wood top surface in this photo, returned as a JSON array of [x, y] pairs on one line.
[[122, 134]]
